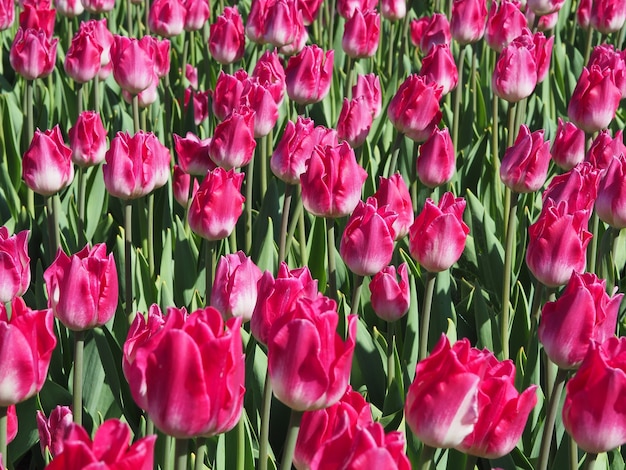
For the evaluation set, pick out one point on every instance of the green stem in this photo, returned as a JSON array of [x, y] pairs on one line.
[[232, 240], [573, 453], [291, 439], [266, 150], [509, 250], [30, 131], [395, 150], [77, 403], [82, 191], [4, 422], [349, 71], [511, 115], [136, 124], [284, 222], [590, 461], [458, 94], [593, 244], [96, 94], [149, 425], [241, 443], [330, 248], [265, 423], [495, 152], [200, 453], [473, 79], [297, 211], [210, 263], [128, 272], [151, 234], [53, 226], [356, 294], [304, 250], [391, 346], [470, 462], [428, 301], [426, 457], [168, 457], [79, 95], [588, 44], [535, 312], [548, 429], [248, 203], [180, 454], [129, 17]]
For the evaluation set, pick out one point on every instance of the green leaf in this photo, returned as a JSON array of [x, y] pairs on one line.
[[317, 252]]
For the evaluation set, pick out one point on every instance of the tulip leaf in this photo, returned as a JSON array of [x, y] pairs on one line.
[[97, 197], [411, 335], [371, 365], [317, 252], [187, 279]]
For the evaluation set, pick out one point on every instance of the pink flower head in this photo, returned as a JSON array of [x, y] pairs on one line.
[[428, 31], [14, 264], [525, 164], [436, 161], [390, 296], [393, 192], [309, 75]]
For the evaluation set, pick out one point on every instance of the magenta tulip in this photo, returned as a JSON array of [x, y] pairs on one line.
[[390, 297], [355, 121], [308, 75], [568, 148], [368, 88], [429, 31], [227, 40], [232, 145], [436, 161], [193, 154], [133, 63], [53, 429], [468, 20], [197, 14], [524, 166], [361, 34], [578, 187], [438, 66], [611, 202], [88, 140], [14, 264], [505, 22], [33, 54], [167, 17], [604, 147], [82, 61]]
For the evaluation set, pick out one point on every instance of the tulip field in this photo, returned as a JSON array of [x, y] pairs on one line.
[[312, 234]]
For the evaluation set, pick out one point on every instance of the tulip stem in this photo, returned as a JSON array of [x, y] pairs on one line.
[[77, 391], [180, 454], [4, 422], [284, 222], [349, 67], [293, 224], [590, 461], [79, 95], [200, 453], [458, 94], [210, 263], [248, 204], [356, 294], [495, 141], [53, 219], [265, 422], [511, 199], [548, 429], [426, 457], [593, 244], [332, 270], [241, 442], [129, 17], [573, 453], [30, 131], [266, 148], [391, 360], [82, 190], [128, 271], [428, 301], [291, 439], [395, 150], [136, 124], [535, 312], [151, 234], [304, 250], [96, 94]]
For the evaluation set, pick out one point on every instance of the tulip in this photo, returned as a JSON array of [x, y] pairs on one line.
[[232, 145], [193, 154], [578, 187], [14, 264], [568, 148], [199, 103], [394, 192], [270, 73], [592, 411], [82, 61], [82, 289], [103, 36], [583, 312], [607, 16], [302, 378], [167, 17], [515, 74], [393, 10], [331, 184], [133, 63], [361, 34], [368, 88], [543, 53], [583, 13], [468, 20], [524, 166], [439, 66], [414, 110], [300, 40], [88, 140], [437, 237], [584, 109], [38, 17], [227, 93], [277, 295], [604, 148], [110, 448], [282, 23], [69, 8], [436, 161], [146, 97], [197, 14], [180, 186], [191, 74], [47, 164], [53, 429], [308, 75], [26, 343], [610, 204], [217, 205], [346, 8], [259, 99], [199, 349], [354, 122], [557, 243], [545, 7], [367, 242], [605, 56], [7, 14], [505, 22], [226, 39], [255, 23], [161, 56], [309, 10], [390, 297], [429, 31], [234, 291], [33, 54], [98, 6]]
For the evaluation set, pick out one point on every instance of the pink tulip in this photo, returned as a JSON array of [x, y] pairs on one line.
[[161, 55], [232, 145], [568, 148], [394, 192], [607, 16], [14, 264], [604, 148], [180, 186], [259, 99], [69, 8], [88, 140], [611, 202], [302, 378], [439, 66], [309, 9], [578, 187], [234, 291], [390, 297], [33, 54], [197, 14], [308, 75], [282, 23], [545, 7], [82, 61], [505, 22], [393, 10], [98, 6], [429, 31], [515, 74], [38, 18], [346, 8], [270, 73], [605, 56], [227, 93], [368, 88], [7, 14], [103, 36], [226, 40], [525, 164], [361, 34], [468, 20], [583, 312], [436, 161], [255, 23], [133, 63], [193, 154], [437, 237], [47, 164], [53, 429], [355, 121], [167, 17], [217, 205]]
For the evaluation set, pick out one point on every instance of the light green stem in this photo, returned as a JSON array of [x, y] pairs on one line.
[[330, 248], [200, 453], [151, 234], [136, 124], [426, 457], [458, 94], [509, 250], [128, 271], [428, 301], [77, 391], [395, 150], [82, 191], [291, 439], [284, 222], [241, 443], [356, 294], [265, 423], [593, 244], [248, 203], [4, 422], [391, 346], [590, 461], [180, 454], [210, 264], [30, 131], [548, 429]]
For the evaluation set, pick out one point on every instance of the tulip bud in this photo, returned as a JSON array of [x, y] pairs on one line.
[[468, 20], [355, 121], [33, 54], [429, 31], [524, 166], [226, 39], [193, 154], [390, 297], [568, 149], [88, 140], [232, 145], [436, 161], [309, 75], [14, 264], [439, 66], [361, 34], [167, 17], [133, 63], [393, 192], [197, 14], [611, 201], [505, 22]]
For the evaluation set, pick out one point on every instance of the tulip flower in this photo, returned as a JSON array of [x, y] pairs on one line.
[[234, 291], [368, 88], [568, 148], [439, 66], [308, 75], [197, 14], [515, 74], [232, 145], [255, 23], [7, 14], [167, 17], [607, 16], [53, 429], [69, 8], [331, 184], [578, 187], [361, 34], [82, 289], [545, 7], [468, 20], [390, 297], [98, 6], [355, 121], [436, 161], [310, 10], [33, 54], [302, 378], [180, 186], [604, 148], [227, 93], [437, 237], [133, 63], [346, 8], [429, 31], [14, 264], [270, 73], [557, 243], [217, 204], [259, 99], [82, 61], [605, 56], [111, 448], [47, 164], [282, 23], [525, 164], [505, 22], [610, 204], [26, 343], [104, 37], [88, 140], [583, 312], [393, 10], [200, 349], [38, 17], [193, 154], [227, 40], [394, 192]]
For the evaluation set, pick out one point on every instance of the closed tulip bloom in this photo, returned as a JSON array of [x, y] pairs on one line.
[[133, 63], [393, 192], [232, 145], [7, 14], [226, 40], [545, 7], [199, 349], [368, 88], [277, 295], [26, 343], [437, 237], [234, 291], [197, 14], [586, 109], [414, 110], [146, 97], [38, 17], [605, 56], [270, 73], [332, 182], [468, 20], [578, 187], [111, 448], [604, 147], [180, 186], [47, 164], [611, 202], [193, 154], [103, 36], [543, 54], [308, 75], [82, 289], [583, 312], [346, 8], [98, 6], [429, 31], [583, 13], [227, 93], [439, 67], [14, 264], [557, 243], [33, 54], [390, 296], [607, 16], [282, 22], [309, 9], [88, 140], [545, 22], [393, 10], [308, 361], [515, 74], [301, 39], [53, 429], [525, 165], [361, 34], [199, 104], [255, 23], [167, 17], [259, 99], [568, 148], [368, 240], [160, 55], [505, 22], [217, 205], [69, 8], [354, 122], [436, 161]]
